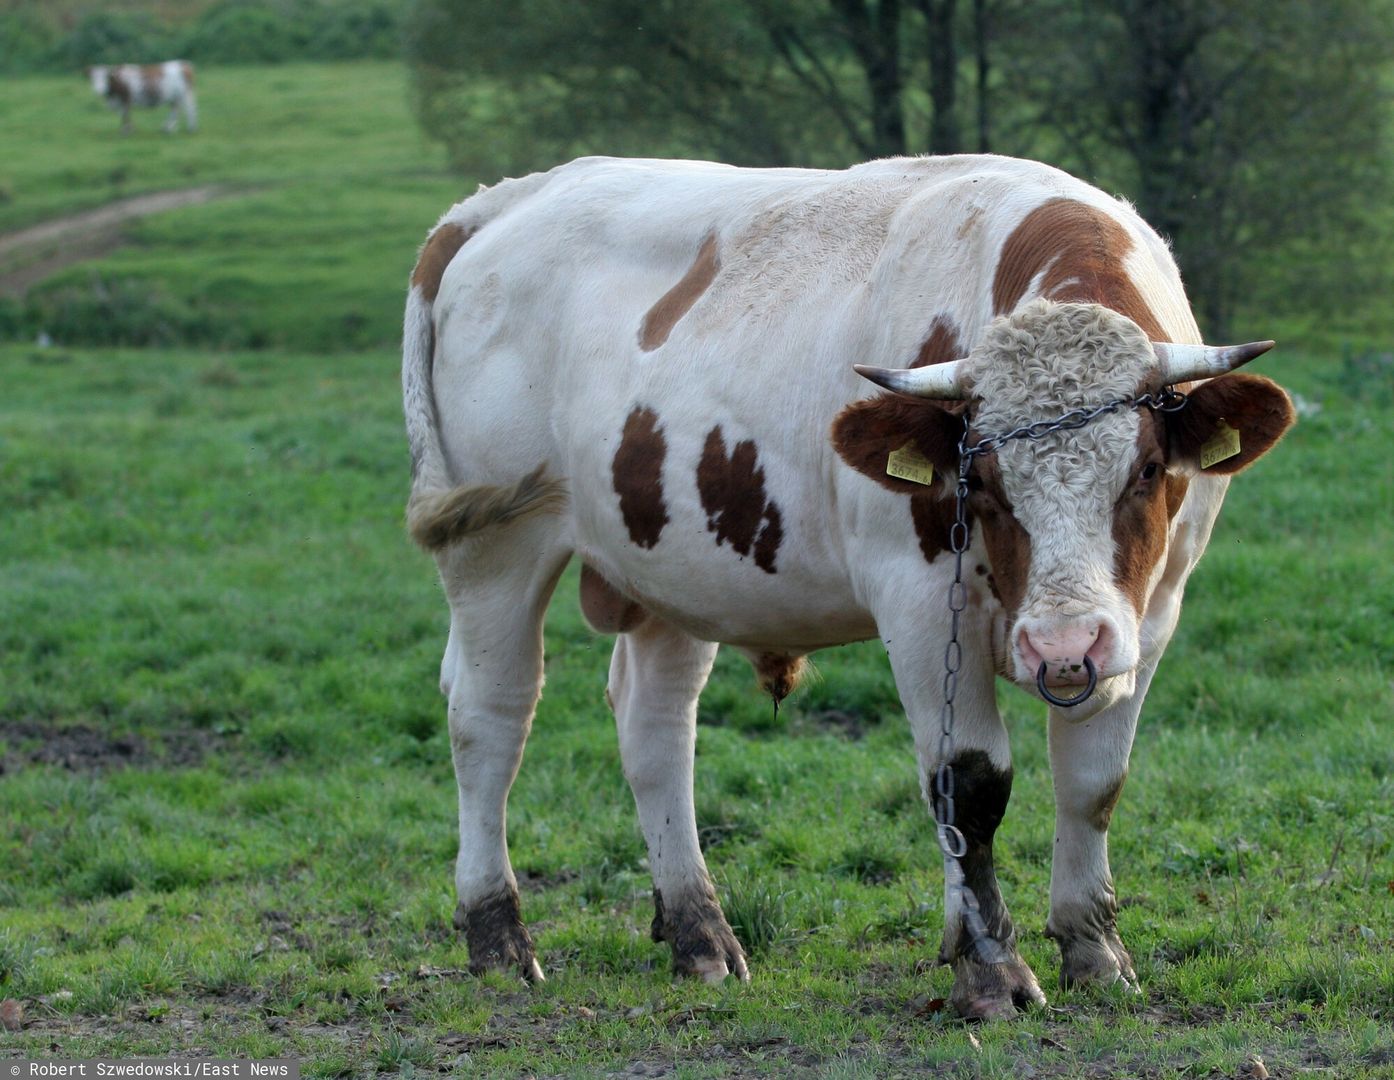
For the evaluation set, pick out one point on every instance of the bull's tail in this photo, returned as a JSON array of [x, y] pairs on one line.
[[439, 511]]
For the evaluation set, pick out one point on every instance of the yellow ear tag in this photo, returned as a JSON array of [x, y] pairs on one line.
[[908, 463], [1222, 445]]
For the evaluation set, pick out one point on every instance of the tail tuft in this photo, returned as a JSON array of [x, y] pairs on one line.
[[437, 519]]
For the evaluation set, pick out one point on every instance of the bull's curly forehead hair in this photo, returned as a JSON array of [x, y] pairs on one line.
[[1048, 358]]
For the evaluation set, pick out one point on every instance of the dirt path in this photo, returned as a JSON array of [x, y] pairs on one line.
[[30, 255]]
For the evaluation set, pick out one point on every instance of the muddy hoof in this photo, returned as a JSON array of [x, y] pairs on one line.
[[497, 938], [993, 991], [1096, 961], [703, 944]]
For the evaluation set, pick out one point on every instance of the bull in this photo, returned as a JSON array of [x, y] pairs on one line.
[[149, 86], [648, 365]]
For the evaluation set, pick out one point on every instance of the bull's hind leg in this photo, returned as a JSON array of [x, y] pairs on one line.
[[1089, 763], [656, 674], [982, 784], [498, 586]]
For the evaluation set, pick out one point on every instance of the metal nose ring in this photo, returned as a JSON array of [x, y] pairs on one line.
[[1066, 703]]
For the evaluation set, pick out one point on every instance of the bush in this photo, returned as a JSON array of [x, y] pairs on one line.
[[357, 28], [241, 33], [228, 32], [111, 38], [25, 43], [119, 312], [271, 31]]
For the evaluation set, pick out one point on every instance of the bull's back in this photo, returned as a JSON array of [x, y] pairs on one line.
[[608, 281]]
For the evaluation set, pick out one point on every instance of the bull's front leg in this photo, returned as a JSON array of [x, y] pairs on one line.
[[1089, 764], [982, 779]]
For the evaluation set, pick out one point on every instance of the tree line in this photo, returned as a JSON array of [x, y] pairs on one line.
[[1251, 133], [36, 37]]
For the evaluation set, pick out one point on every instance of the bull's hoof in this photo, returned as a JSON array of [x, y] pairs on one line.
[[703, 944], [1096, 961], [497, 938], [993, 991]]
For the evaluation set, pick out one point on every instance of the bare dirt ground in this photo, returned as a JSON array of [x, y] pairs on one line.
[[79, 748], [29, 255]]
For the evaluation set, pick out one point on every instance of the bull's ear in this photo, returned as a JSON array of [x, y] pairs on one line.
[[866, 433], [1258, 409]]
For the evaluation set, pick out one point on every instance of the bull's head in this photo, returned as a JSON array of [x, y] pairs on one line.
[[97, 76], [1077, 524]]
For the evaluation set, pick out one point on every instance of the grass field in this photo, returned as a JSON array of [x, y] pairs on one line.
[[328, 184], [227, 810]]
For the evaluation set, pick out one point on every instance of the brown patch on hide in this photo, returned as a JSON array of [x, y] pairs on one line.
[[733, 496], [779, 674], [117, 88], [151, 78], [1256, 407], [676, 302], [1177, 486], [436, 519], [692, 924], [1079, 251], [607, 610], [496, 936], [934, 518], [866, 433], [1008, 544], [969, 223], [941, 346], [637, 476], [1140, 519], [1101, 813], [440, 247]]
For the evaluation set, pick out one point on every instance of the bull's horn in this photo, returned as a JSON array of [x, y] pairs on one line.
[[1182, 363], [938, 381]]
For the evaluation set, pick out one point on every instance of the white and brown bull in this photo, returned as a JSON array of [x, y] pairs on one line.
[[648, 365], [148, 86]]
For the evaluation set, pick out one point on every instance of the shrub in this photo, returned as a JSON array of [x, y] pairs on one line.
[[111, 38], [26, 42]]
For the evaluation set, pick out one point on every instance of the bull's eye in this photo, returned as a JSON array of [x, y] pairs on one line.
[[1149, 471]]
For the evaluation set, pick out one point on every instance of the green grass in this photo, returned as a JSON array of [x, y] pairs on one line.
[[222, 588], [330, 188], [227, 808]]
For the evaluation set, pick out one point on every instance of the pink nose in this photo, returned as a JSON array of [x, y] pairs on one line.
[[1063, 650]]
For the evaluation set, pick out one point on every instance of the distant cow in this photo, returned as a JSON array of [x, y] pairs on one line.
[[648, 365], [149, 85]]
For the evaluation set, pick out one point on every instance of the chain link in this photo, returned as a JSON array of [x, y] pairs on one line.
[[952, 842]]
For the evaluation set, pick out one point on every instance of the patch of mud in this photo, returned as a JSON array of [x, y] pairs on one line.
[[79, 748], [27, 256]]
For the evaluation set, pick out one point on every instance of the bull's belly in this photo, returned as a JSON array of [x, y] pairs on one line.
[[714, 594]]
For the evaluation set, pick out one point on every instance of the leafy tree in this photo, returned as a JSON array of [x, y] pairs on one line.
[[804, 82], [1250, 133]]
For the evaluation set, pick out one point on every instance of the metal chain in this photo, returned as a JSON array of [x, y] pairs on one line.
[[952, 842]]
